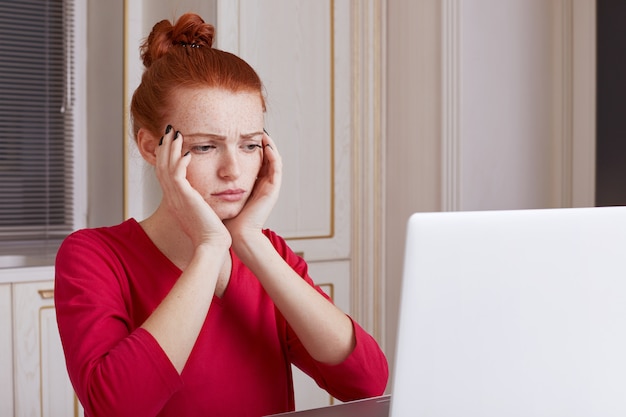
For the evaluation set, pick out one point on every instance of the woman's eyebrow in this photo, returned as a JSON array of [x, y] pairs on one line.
[[216, 136], [251, 135]]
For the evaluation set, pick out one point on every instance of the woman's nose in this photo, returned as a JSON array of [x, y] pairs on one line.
[[229, 165]]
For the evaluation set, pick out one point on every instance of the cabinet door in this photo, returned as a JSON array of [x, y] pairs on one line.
[[6, 352], [301, 51], [42, 387]]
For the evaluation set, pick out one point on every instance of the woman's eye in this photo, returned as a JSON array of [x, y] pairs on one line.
[[251, 147], [202, 148]]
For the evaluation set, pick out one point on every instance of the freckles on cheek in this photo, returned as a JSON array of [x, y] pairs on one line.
[[193, 175], [259, 167]]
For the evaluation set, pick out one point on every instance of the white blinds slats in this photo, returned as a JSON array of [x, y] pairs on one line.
[[36, 138]]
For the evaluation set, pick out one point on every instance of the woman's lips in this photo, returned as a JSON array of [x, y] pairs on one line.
[[230, 195]]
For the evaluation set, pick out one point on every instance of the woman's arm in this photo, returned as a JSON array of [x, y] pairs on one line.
[[177, 321], [115, 368], [325, 331], [362, 374]]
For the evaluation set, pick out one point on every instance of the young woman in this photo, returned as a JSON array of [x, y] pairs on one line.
[[198, 310]]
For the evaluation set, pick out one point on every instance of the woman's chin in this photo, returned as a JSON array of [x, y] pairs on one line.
[[228, 214]]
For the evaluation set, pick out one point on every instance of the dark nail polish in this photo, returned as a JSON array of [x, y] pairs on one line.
[[265, 132], [177, 134], [168, 129], [161, 141], [186, 153]]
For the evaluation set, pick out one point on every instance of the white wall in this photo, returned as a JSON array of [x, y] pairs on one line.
[[506, 104], [489, 106], [105, 132], [413, 136]]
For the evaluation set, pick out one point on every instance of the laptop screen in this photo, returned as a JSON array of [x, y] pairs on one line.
[[513, 313]]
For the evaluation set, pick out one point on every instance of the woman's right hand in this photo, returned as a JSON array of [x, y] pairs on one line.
[[178, 319], [197, 219]]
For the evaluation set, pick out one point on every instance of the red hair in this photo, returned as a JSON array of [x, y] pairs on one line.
[[181, 56]]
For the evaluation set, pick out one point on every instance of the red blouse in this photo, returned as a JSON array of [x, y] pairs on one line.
[[109, 280]]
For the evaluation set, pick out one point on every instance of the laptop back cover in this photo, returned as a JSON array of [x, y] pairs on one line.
[[513, 313]]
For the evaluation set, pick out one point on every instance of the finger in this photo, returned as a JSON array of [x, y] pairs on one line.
[[168, 129], [271, 154], [176, 147], [168, 170], [267, 141], [270, 150], [183, 164], [163, 149]]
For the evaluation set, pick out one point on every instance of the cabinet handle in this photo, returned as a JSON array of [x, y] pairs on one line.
[[46, 294]]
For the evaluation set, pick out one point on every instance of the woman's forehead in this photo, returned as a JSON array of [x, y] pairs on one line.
[[216, 97], [214, 108]]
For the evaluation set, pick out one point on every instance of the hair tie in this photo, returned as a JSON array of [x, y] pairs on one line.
[[191, 45]]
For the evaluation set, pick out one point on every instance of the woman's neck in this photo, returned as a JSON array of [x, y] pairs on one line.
[[165, 232], [169, 238]]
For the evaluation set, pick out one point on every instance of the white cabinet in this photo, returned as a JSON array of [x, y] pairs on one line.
[[33, 377], [6, 352], [42, 387], [307, 75]]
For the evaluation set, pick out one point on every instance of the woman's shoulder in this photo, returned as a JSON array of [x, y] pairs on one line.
[[124, 228], [122, 234], [121, 249]]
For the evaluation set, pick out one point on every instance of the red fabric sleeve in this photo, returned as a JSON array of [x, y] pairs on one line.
[[115, 370], [364, 373]]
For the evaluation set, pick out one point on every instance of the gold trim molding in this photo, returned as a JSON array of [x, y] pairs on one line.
[[368, 167]]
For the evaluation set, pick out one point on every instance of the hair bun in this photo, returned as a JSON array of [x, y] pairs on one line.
[[190, 30]]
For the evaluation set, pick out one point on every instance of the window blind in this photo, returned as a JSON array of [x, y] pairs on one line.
[[36, 122]]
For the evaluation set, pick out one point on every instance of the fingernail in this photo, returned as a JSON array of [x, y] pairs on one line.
[[186, 153], [177, 134], [168, 129], [161, 141], [265, 132]]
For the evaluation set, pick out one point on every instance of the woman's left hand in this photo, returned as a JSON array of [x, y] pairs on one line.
[[325, 331], [257, 209]]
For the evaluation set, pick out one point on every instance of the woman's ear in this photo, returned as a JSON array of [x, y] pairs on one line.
[[147, 144]]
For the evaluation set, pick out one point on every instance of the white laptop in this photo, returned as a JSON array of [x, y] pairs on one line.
[[513, 313], [509, 313]]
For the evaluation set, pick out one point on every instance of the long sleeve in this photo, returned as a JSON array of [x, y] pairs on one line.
[[115, 367], [364, 373]]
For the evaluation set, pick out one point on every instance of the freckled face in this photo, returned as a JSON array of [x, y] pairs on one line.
[[223, 131]]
